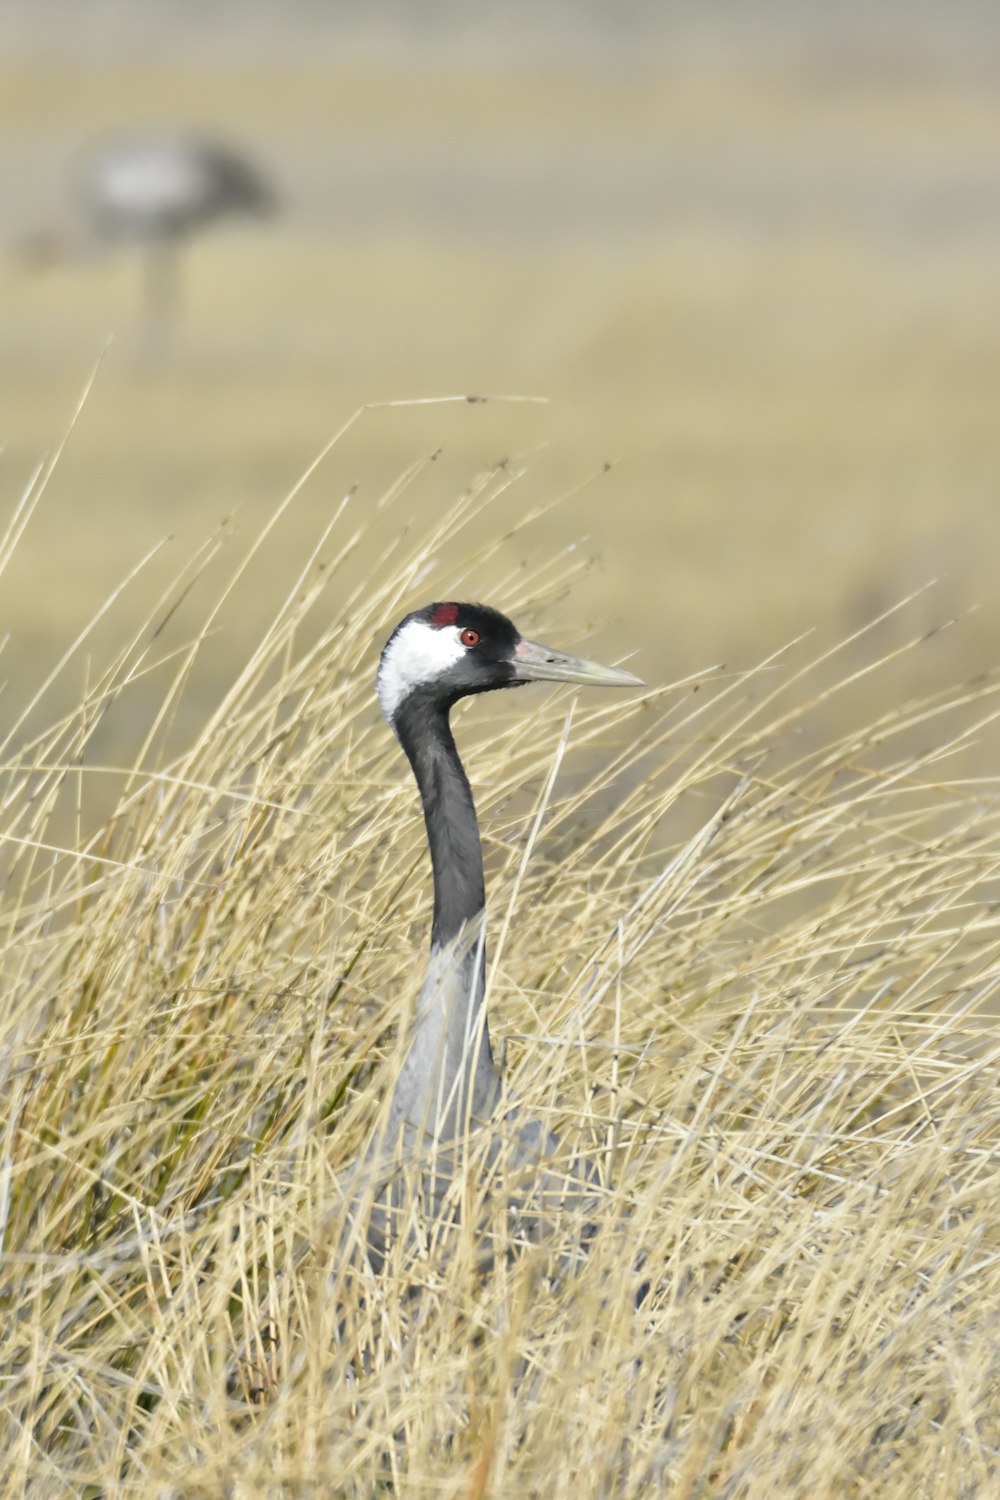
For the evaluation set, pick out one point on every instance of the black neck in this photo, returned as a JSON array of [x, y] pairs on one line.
[[449, 814]]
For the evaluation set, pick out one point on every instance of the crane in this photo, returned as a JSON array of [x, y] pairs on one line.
[[153, 191], [449, 1086]]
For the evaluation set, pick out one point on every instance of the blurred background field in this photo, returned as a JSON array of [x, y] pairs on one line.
[[748, 254]]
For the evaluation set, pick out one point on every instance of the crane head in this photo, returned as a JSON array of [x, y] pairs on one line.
[[446, 651]]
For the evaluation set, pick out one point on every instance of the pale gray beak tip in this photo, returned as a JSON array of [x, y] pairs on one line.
[[536, 663]]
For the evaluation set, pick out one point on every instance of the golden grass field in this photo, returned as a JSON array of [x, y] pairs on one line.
[[753, 979], [746, 945]]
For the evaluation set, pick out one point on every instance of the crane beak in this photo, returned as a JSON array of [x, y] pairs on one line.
[[535, 663]]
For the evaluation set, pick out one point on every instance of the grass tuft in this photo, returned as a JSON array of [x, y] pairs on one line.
[[751, 969]]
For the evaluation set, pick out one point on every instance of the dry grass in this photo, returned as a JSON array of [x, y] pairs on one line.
[[753, 976]]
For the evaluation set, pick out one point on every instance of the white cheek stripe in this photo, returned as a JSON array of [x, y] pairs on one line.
[[418, 654]]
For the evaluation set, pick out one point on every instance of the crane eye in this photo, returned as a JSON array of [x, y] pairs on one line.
[[470, 637]]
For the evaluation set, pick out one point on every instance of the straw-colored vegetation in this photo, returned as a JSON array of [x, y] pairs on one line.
[[753, 975]]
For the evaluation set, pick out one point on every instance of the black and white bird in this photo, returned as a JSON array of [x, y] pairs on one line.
[[449, 1088], [150, 189], [155, 191], [152, 192]]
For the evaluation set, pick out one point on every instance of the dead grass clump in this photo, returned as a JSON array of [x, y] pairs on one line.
[[752, 975]]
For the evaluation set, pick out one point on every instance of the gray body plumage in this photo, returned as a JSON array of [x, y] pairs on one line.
[[160, 188]]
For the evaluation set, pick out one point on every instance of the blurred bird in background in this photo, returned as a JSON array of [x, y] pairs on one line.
[[152, 192]]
